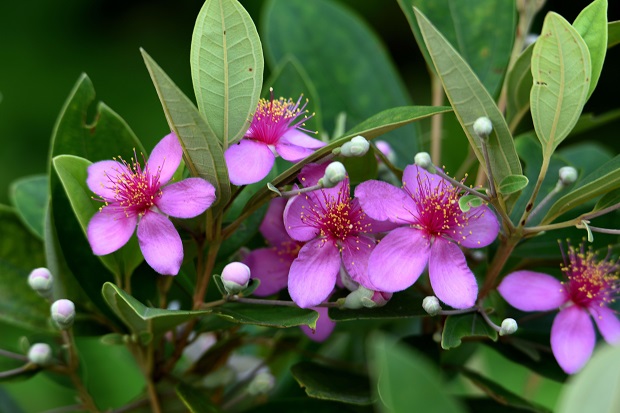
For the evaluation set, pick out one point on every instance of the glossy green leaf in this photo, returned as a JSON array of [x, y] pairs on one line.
[[470, 100], [20, 253], [595, 388], [482, 31], [607, 200], [512, 184], [519, 87], [562, 72], [406, 380], [404, 304], [347, 63], [267, 315], [140, 318], [29, 196], [202, 150], [591, 24], [328, 383], [462, 326], [467, 202], [226, 58], [196, 400]]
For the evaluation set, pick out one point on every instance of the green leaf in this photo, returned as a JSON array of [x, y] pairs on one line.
[[328, 383], [29, 196], [589, 121], [562, 72], [226, 58], [470, 100], [202, 151], [405, 304], [591, 24], [467, 202], [394, 366], [594, 388], [482, 31], [458, 327], [512, 184], [142, 319], [519, 87], [363, 168], [267, 315], [196, 400], [613, 33], [304, 405], [20, 253], [607, 200]]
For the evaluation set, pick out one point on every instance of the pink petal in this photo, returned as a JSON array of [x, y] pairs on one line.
[[324, 326], [160, 243], [451, 279], [413, 175], [248, 161], [271, 267], [165, 158], [355, 254], [109, 229], [292, 153], [398, 260], [608, 324], [102, 176], [532, 291], [272, 226], [311, 173], [481, 228], [296, 137], [187, 198], [572, 338], [296, 212], [313, 274], [382, 201]]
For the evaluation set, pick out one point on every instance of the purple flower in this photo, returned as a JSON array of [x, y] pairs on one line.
[[139, 196], [275, 130], [592, 285], [432, 228]]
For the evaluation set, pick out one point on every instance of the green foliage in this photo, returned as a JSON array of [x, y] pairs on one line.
[[194, 399], [405, 304], [461, 326], [267, 315], [512, 183], [29, 197], [591, 24]]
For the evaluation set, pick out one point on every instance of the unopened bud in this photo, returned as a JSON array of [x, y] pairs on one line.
[[483, 127], [568, 175], [358, 146], [431, 305], [63, 313], [41, 280], [386, 150], [509, 326], [378, 299], [423, 160], [262, 383], [334, 174], [235, 277], [355, 299], [41, 354]]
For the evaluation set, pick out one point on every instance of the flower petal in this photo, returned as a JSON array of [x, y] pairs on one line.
[[382, 201], [165, 158], [313, 274], [296, 214], [271, 267], [102, 177], [608, 324], [572, 338], [187, 198], [371, 225], [109, 229], [248, 161], [272, 226], [296, 137], [398, 260], [451, 279], [532, 291], [324, 326], [311, 173], [355, 253], [480, 229], [413, 175], [160, 243], [292, 153]]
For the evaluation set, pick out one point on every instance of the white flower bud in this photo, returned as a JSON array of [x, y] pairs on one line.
[[423, 160], [334, 173], [431, 305], [568, 175], [63, 313], [262, 383], [358, 146], [483, 127], [235, 277], [355, 299], [41, 354], [41, 280], [509, 326], [378, 299]]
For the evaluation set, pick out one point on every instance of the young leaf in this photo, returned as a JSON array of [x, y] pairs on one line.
[[226, 58], [29, 197], [467, 202], [512, 184], [458, 327], [591, 24], [328, 383], [267, 315]]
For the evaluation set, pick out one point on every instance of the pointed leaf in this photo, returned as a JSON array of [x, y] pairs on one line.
[[267, 315], [328, 383], [458, 327], [29, 197], [512, 184], [226, 58], [591, 24]]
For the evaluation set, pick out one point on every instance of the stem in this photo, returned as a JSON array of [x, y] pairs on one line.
[[456, 312], [605, 230], [546, 200], [203, 283], [465, 188], [487, 161], [489, 321], [73, 363], [529, 231], [603, 211], [299, 191], [163, 285], [437, 120], [19, 370], [539, 181], [12, 355]]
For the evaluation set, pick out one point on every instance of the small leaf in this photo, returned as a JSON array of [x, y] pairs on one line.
[[512, 184], [467, 202], [458, 327], [591, 24], [226, 58], [607, 200], [272, 188], [405, 304], [328, 383], [587, 227], [267, 315], [30, 196], [196, 400]]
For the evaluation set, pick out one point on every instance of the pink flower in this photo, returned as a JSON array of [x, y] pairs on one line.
[[432, 228], [275, 130], [136, 196], [592, 285]]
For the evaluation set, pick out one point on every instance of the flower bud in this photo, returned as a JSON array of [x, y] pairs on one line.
[[235, 277], [387, 150], [262, 383], [483, 127], [358, 146], [355, 299], [423, 160], [41, 354], [63, 313], [378, 299], [509, 326], [334, 174], [431, 305], [41, 280], [568, 175]]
